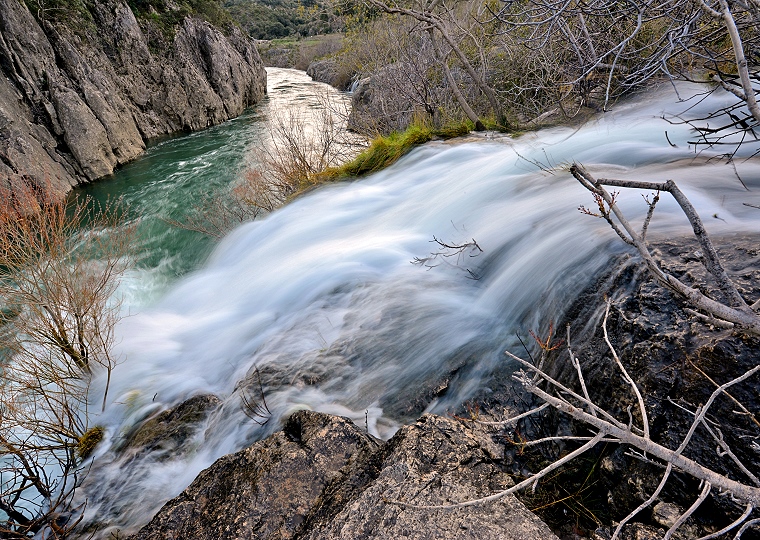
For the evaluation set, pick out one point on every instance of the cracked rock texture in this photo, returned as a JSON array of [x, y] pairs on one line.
[[322, 477], [80, 96]]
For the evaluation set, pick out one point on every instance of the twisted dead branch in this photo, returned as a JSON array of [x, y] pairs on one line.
[[735, 312], [450, 250]]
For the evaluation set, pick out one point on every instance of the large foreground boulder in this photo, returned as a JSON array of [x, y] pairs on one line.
[[322, 477]]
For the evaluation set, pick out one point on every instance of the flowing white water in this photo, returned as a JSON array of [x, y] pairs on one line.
[[322, 298]]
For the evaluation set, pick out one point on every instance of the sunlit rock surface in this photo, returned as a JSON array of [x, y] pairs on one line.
[[322, 477]]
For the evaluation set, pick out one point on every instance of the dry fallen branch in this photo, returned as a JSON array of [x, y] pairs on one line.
[[734, 311], [449, 250]]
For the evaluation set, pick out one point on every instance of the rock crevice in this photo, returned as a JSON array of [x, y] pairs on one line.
[[322, 477]]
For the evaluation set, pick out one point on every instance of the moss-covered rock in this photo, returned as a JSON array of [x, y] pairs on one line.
[[89, 441], [170, 430]]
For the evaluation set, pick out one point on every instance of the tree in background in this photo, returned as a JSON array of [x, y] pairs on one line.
[[533, 61]]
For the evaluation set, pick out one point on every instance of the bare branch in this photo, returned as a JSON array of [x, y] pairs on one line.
[[628, 379], [683, 517], [645, 504], [532, 479], [577, 366], [514, 419], [738, 312], [741, 491]]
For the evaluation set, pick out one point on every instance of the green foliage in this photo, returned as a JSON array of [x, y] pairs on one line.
[[161, 17], [382, 152], [61, 11], [265, 21], [452, 130], [274, 19], [89, 441]]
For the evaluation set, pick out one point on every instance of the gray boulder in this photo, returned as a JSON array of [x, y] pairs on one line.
[[329, 71], [322, 477]]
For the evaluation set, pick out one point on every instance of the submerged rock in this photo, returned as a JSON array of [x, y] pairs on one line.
[[322, 477], [170, 430]]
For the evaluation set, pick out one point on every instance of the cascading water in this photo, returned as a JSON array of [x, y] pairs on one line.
[[322, 298]]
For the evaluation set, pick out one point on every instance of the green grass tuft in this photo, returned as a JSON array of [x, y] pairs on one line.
[[382, 152]]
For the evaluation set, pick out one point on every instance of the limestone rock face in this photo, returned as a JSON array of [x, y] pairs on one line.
[[322, 477], [328, 71], [78, 102]]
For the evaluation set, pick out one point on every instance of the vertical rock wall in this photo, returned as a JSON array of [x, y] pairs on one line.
[[77, 102]]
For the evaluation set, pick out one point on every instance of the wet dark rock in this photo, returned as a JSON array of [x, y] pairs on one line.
[[81, 96], [670, 354], [322, 477], [666, 514], [169, 430]]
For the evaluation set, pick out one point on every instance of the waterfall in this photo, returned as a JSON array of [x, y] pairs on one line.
[[322, 302]]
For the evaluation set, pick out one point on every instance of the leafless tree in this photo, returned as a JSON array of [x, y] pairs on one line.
[[440, 60], [598, 50], [301, 144], [400, 77], [59, 269], [298, 147], [733, 311], [438, 19]]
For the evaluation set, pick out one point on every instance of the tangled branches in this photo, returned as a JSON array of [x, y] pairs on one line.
[[733, 311], [607, 428], [59, 269]]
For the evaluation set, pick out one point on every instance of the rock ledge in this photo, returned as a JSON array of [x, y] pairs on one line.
[[322, 477]]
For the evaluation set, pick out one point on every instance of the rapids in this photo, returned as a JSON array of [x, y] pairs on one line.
[[323, 299]]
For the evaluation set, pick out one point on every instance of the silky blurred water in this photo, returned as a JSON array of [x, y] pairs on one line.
[[322, 297], [176, 175]]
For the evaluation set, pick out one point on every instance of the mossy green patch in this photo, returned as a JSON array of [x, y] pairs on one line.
[[382, 152], [89, 441]]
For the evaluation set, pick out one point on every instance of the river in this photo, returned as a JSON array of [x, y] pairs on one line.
[[322, 296]]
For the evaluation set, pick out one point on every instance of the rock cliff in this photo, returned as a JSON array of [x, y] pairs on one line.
[[81, 95]]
